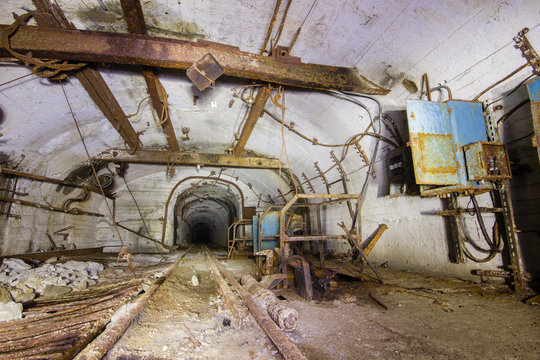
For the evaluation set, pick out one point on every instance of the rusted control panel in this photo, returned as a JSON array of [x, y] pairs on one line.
[[440, 134], [487, 161]]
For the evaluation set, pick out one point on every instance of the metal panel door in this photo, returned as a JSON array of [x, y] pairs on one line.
[[431, 143]]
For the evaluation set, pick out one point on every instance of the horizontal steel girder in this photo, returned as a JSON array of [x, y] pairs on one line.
[[188, 158], [135, 49]]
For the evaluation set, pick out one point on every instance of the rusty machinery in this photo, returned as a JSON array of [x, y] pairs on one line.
[[455, 152]]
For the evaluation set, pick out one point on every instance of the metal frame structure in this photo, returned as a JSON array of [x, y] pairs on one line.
[[231, 242]]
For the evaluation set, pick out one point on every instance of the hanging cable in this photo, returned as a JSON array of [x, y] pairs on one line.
[[123, 251], [494, 245], [142, 217], [500, 81]]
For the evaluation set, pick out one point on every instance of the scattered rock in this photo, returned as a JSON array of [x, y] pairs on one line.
[[194, 280], [94, 267], [21, 296], [347, 299], [51, 290], [16, 264], [5, 295], [10, 311]]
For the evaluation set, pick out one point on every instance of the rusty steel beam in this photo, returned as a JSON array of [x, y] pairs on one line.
[[134, 17], [134, 49], [188, 158], [254, 114], [51, 17]]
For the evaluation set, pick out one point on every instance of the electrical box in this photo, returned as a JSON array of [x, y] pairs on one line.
[[438, 133], [487, 161]]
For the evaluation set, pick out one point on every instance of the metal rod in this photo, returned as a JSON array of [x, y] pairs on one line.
[[49, 207], [99, 347], [50, 180]]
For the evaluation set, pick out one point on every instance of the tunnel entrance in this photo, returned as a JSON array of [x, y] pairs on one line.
[[201, 234], [203, 214]]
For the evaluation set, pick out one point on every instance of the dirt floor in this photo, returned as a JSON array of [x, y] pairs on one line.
[[426, 318]]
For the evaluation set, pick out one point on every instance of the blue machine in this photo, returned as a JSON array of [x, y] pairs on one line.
[[438, 134], [269, 231], [534, 95]]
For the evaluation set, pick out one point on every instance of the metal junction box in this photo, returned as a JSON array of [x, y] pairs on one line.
[[487, 161], [438, 133]]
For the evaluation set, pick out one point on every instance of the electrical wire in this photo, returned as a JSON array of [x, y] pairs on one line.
[[513, 90], [123, 252], [12, 80], [500, 81], [494, 245]]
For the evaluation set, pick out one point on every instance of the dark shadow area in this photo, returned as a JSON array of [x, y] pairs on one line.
[[201, 234]]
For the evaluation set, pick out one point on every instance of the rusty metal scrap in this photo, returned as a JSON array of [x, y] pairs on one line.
[[286, 347], [134, 49], [322, 176], [188, 158], [59, 327], [282, 314]]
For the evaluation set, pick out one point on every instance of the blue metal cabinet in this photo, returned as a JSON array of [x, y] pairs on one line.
[[269, 228], [438, 133]]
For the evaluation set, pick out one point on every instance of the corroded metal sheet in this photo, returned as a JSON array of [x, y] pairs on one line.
[[468, 126], [431, 143], [534, 95]]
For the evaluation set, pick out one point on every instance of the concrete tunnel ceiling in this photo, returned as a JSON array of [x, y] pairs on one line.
[[387, 42]]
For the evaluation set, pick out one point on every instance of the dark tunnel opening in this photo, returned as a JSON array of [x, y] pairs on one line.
[[201, 233]]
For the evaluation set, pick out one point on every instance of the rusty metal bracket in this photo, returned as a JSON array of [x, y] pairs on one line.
[[308, 182], [338, 163], [527, 50], [322, 176]]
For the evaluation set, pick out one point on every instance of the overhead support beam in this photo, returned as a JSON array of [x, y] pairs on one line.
[[134, 49], [135, 20], [188, 158], [51, 17], [255, 113]]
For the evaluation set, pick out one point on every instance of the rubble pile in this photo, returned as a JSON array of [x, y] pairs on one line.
[[20, 282]]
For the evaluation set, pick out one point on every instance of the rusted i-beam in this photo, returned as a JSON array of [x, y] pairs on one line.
[[188, 158], [134, 49], [51, 17], [134, 17], [254, 114]]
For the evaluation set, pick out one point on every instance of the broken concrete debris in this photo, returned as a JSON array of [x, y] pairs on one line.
[[21, 282]]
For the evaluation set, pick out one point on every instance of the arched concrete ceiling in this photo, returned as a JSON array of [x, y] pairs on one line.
[[464, 44]]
